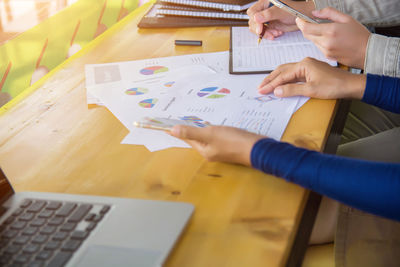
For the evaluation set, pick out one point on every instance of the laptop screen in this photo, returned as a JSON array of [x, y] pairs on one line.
[[5, 188]]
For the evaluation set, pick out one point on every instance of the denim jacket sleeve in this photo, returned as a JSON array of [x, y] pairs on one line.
[[383, 53]]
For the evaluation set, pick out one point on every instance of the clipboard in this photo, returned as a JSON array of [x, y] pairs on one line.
[[254, 58], [231, 71]]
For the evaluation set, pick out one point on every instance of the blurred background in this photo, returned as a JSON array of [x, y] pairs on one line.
[[38, 35]]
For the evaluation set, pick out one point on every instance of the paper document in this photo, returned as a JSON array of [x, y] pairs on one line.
[[247, 56], [147, 71], [194, 88]]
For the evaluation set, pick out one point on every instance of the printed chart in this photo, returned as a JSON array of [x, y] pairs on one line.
[[265, 98], [196, 120], [148, 103], [153, 70], [169, 84], [137, 91], [213, 92]]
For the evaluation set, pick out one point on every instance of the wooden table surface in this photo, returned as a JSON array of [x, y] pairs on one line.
[[51, 141]]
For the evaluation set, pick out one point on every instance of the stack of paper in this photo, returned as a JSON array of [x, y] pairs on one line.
[[191, 87]]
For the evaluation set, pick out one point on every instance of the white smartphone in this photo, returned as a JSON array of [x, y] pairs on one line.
[[165, 124], [293, 11]]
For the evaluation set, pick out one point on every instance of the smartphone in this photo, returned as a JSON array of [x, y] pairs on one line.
[[292, 11], [165, 124]]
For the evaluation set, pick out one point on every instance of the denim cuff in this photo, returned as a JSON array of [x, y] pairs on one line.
[[320, 4], [382, 55]]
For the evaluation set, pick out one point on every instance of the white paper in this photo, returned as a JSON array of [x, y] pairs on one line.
[[249, 56], [113, 74], [193, 86], [302, 101]]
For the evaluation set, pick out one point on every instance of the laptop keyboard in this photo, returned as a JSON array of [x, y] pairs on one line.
[[46, 233]]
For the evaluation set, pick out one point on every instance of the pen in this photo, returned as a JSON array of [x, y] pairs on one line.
[[188, 42], [264, 28]]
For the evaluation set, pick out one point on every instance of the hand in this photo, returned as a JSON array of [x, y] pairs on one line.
[[219, 143], [279, 21], [319, 80], [344, 40]]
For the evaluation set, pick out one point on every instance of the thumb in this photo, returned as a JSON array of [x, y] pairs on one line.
[[190, 133], [332, 14], [292, 89], [267, 14]]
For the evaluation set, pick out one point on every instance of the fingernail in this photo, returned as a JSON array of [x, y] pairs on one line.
[[175, 131], [278, 91], [258, 30]]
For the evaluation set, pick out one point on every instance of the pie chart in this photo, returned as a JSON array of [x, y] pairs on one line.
[[153, 70], [169, 84], [213, 92], [136, 91], [195, 120], [148, 103], [265, 98]]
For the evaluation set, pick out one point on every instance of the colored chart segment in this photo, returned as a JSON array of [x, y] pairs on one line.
[[148, 103], [136, 91], [195, 120], [213, 92], [265, 98], [153, 70], [169, 84]]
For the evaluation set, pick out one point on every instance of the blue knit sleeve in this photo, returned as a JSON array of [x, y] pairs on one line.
[[383, 92], [370, 186]]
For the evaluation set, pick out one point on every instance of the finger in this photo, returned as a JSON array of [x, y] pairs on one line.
[[197, 145], [292, 89], [331, 14], [253, 26], [268, 34], [200, 147], [324, 51], [268, 79], [282, 75], [319, 41], [310, 29], [274, 32], [265, 87], [190, 133], [257, 7], [267, 14], [282, 27]]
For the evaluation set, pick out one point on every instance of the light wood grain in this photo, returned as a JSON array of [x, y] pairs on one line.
[[51, 141]]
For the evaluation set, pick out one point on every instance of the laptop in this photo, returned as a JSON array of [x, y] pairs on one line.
[[47, 229]]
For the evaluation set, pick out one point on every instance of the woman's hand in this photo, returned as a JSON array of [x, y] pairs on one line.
[[344, 39], [313, 78], [219, 143], [279, 21]]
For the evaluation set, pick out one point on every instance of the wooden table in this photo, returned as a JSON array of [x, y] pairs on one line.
[[51, 141]]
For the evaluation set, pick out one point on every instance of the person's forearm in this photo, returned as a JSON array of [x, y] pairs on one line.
[[383, 92], [369, 186], [375, 13]]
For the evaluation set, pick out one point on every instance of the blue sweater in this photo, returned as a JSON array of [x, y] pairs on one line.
[[370, 186]]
